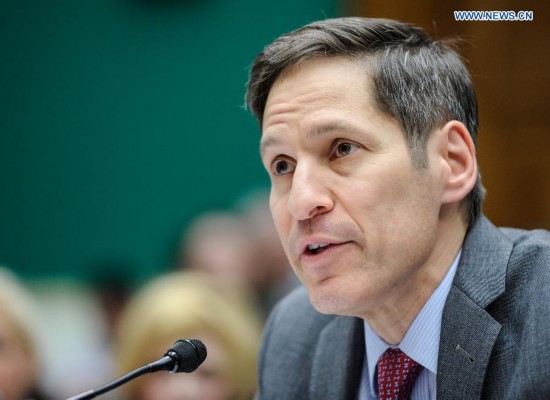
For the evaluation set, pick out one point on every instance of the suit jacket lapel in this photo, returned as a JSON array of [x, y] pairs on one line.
[[468, 331], [338, 360]]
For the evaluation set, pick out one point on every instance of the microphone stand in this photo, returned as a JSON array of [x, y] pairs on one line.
[[152, 367]]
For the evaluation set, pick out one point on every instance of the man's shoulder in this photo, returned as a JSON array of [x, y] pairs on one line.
[[526, 240], [530, 251], [525, 297], [522, 311], [486, 244]]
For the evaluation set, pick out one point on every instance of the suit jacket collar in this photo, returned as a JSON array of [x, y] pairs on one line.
[[468, 331]]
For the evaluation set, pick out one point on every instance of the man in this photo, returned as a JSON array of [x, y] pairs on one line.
[[368, 135]]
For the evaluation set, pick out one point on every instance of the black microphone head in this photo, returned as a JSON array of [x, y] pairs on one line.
[[187, 354]]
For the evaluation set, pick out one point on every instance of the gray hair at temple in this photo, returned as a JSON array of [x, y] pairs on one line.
[[419, 81]]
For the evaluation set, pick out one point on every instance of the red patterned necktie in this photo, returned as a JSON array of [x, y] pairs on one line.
[[396, 375]]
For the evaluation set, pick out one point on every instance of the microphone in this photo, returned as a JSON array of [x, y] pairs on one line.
[[184, 356]]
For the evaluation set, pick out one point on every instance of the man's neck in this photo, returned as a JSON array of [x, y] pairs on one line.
[[392, 320]]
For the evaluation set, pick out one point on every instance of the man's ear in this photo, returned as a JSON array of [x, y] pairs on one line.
[[460, 156]]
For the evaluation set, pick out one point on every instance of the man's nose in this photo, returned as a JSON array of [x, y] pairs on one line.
[[309, 195]]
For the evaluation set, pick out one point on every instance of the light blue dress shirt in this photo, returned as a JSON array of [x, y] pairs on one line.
[[421, 343]]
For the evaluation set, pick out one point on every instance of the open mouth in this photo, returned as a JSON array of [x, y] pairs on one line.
[[316, 248]]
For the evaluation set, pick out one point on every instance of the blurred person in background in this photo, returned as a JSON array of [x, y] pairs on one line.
[[241, 248], [183, 305], [19, 357], [221, 244], [272, 276]]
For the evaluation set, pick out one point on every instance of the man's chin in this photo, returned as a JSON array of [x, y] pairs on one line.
[[329, 302]]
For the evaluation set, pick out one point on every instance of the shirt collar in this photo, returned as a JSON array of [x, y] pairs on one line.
[[421, 342]]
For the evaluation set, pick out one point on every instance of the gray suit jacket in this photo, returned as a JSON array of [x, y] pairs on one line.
[[495, 337]]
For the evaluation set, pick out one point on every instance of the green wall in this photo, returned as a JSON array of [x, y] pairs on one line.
[[121, 121]]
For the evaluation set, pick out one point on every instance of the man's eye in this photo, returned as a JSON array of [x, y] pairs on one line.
[[282, 167], [343, 149]]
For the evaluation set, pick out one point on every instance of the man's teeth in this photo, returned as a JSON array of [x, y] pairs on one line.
[[316, 246]]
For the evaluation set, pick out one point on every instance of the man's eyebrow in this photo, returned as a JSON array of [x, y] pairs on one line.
[[315, 131], [324, 128], [267, 141]]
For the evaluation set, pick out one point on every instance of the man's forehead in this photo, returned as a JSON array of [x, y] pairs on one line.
[[308, 85]]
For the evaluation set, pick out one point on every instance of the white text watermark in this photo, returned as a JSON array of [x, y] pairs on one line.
[[511, 16]]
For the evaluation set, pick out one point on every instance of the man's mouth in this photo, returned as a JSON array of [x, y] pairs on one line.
[[316, 248]]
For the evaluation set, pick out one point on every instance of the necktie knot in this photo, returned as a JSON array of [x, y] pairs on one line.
[[396, 375]]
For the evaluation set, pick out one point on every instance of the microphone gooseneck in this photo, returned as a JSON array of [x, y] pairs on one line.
[[184, 356]]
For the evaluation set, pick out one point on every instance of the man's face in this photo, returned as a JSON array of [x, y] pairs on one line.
[[357, 220]]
